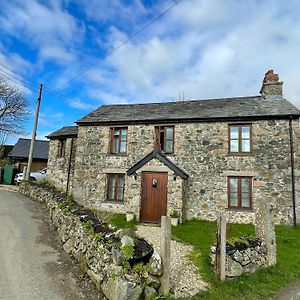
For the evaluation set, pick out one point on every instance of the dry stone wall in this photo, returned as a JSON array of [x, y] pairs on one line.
[[99, 259], [243, 259]]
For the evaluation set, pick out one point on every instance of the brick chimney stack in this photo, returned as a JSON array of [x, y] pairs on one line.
[[271, 86]]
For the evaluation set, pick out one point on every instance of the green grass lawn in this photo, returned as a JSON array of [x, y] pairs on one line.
[[260, 285], [119, 221]]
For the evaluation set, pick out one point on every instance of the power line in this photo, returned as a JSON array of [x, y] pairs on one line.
[[26, 82], [15, 81], [30, 82], [121, 45], [23, 80], [55, 92]]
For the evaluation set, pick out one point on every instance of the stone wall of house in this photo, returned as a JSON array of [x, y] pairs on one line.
[[94, 162], [296, 135], [57, 172], [202, 150]]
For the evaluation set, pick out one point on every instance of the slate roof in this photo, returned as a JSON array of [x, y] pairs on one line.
[[162, 158], [64, 132], [255, 107], [21, 149]]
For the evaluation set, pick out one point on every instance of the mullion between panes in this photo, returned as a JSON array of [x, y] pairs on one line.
[[240, 139], [119, 142]]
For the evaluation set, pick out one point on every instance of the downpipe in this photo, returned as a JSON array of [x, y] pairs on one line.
[[293, 170]]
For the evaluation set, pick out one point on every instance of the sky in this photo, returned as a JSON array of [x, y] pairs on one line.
[[197, 49]]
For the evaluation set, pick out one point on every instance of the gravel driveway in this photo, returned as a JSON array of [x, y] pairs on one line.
[[185, 279]]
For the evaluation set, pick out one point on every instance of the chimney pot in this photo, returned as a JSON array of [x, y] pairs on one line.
[[271, 86]]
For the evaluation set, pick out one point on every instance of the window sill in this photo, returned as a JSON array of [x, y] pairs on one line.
[[116, 154], [240, 209], [241, 154], [168, 153], [114, 202]]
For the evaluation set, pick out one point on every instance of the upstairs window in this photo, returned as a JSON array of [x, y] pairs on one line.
[[240, 139], [118, 140], [240, 192], [115, 187], [61, 148], [164, 138]]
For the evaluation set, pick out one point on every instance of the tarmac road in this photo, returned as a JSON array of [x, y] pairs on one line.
[[32, 264]]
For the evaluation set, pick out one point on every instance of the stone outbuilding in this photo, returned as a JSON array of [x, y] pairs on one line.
[[196, 158]]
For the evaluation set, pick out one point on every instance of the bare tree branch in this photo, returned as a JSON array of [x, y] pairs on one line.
[[13, 108]]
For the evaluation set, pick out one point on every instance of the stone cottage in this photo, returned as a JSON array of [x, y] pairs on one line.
[[193, 157]]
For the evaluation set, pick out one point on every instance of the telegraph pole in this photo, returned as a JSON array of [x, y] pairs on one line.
[[36, 117]]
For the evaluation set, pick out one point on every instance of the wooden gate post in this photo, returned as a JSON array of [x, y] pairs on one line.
[[165, 243], [221, 248]]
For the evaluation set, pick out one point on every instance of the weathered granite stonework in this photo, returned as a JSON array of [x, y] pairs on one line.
[[202, 150], [58, 165], [243, 260]]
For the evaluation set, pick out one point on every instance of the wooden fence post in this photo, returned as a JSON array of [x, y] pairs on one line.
[[221, 248], [165, 243]]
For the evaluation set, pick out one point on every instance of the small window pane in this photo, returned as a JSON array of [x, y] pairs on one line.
[[245, 132], [233, 184], [120, 194], [245, 185], [120, 180], [245, 145], [116, 132], [124, 133], [116, 145], [169, 133], [245, 200], [233, 199], [234, 146], [123, 147], [120, 188], [169, 146], [234, 132], [111, 187]]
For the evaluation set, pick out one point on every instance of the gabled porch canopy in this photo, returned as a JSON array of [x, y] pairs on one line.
[[163, 159]]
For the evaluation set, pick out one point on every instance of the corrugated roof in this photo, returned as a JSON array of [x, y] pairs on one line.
[[64, 132], [21, 149], [225, 108]]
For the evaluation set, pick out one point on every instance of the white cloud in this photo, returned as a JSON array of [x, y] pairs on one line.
[[202, 48], [46, 26], [10, 62], [210, 49]]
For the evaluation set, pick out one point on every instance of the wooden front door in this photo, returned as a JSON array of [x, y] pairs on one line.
[[154, 197]]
